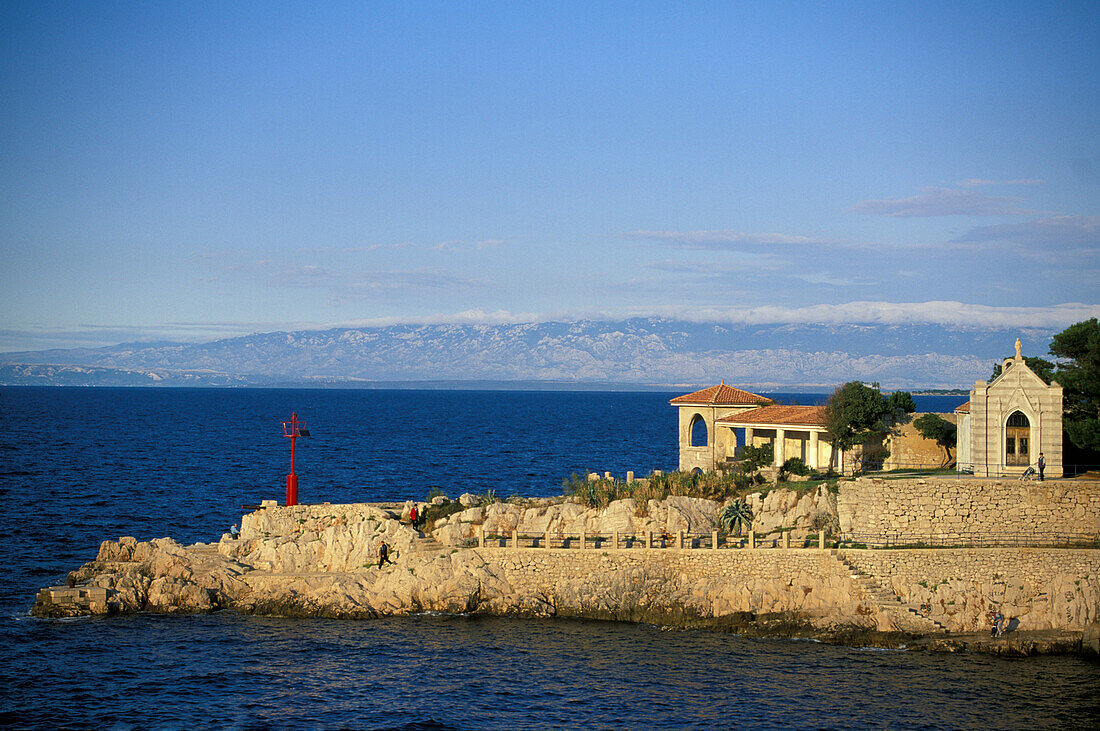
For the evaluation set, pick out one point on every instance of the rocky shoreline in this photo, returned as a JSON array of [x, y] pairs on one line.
[[321, 561]]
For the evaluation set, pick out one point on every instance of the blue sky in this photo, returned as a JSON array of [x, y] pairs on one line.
[[187, 170]]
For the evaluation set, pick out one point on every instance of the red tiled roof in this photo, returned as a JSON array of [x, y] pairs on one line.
[[721, 395], [964, 409], [777, 414]]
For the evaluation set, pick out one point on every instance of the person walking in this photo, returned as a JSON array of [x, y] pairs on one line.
[[383, 554], [1042, 465]]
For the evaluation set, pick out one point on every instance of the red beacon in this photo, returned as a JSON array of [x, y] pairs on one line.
[[292, 430]]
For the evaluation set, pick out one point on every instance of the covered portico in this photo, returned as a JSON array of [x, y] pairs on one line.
[[793, 431], [702, 445]]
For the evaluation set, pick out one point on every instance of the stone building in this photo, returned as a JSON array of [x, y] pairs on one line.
[[1009, 421], [716, 423], [702, 445], [793, 431]]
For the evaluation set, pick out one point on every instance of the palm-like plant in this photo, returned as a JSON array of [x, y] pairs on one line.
[[736, 516]]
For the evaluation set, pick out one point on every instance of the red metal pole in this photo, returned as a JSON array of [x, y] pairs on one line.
[[293, 436], [292, 478]]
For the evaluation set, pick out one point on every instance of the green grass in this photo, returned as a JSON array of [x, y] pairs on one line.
[[707, 485], [905, 473]]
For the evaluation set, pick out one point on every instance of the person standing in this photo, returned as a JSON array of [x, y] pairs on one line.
[[1042, 465], [414, 517]]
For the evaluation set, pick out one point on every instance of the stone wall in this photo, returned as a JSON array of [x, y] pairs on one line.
[[912, 510], [628, 583], [909, 450], [1036, 589], [1040, 588]]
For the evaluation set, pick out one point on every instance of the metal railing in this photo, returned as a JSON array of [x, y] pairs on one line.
[[650, 540], [1008, 539], [871, 468], [715, 540]]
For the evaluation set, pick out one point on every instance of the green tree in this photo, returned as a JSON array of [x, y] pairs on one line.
[[856, 412], [753, 458], [1078, 351], [934, 426], [900, 403]]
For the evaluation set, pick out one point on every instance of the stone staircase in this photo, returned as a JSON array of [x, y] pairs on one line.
[[426, 543], [886, 600]]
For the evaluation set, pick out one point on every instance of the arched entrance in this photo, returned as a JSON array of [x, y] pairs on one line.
[[1017, 440], [698, 431]]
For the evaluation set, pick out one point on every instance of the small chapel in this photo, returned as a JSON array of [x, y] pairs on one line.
[[1009, 421]]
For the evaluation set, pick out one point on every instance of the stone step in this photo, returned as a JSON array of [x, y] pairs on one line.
[[914, 610]]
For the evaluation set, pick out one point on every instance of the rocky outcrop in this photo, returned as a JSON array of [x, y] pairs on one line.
[[322, 560], [778, 509]]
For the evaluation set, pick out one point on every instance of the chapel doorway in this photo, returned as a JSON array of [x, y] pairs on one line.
[[1017, 439]]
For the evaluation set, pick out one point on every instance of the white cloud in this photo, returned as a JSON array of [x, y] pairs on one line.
[[831, 280], [975, 182], [458, 245], [941, 202], [720, 239], [741, 264], [465, 317], [883, 313], [1054, 232], [356, 249]]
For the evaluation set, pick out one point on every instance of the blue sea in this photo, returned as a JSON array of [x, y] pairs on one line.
[[81, 465]]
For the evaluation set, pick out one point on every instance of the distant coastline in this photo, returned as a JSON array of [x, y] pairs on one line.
[[941, 392], [445, 385]]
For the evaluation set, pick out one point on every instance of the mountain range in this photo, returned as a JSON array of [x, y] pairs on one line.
[[634, 353]]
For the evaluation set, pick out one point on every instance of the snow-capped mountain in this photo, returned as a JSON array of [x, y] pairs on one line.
[[635, 352]]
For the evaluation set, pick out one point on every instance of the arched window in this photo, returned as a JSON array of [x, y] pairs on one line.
[[698, 431], [1017, 440]]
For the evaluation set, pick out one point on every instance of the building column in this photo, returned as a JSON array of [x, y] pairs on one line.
[[812, 464], [780, 446], [748, 436]]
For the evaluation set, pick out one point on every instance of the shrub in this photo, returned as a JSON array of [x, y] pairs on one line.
[[753, 458], [736, 516], [795, 466], [823, 519], [433, 513]]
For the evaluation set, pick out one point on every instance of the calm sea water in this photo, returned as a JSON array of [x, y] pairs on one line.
[[81, 465]]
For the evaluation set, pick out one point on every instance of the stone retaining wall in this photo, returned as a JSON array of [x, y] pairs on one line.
[[698, 583], [1038, 589], [1042, 588], [962, 508]]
